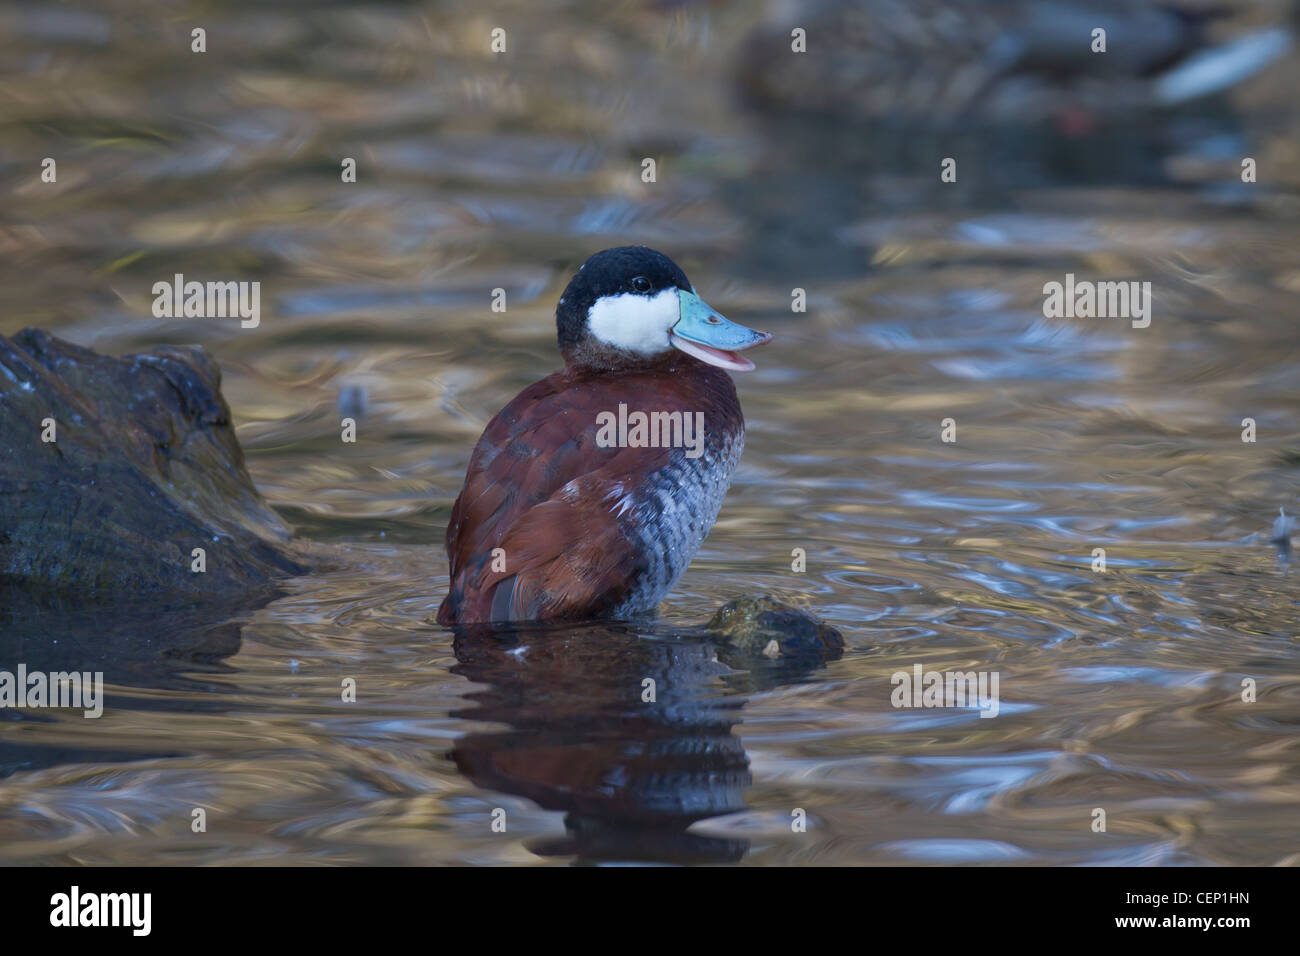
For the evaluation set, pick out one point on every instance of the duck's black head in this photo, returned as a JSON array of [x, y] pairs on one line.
[[631, 307]]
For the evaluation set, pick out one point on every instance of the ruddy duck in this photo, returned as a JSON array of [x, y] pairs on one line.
[[588, 495], [935, 63]]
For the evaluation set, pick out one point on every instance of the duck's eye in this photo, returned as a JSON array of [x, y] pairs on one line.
[[641, 284], [714, 320]]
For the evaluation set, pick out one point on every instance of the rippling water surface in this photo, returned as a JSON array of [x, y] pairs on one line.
[[1119, 690]]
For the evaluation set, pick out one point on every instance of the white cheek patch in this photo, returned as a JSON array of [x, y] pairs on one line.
[[636, 323]]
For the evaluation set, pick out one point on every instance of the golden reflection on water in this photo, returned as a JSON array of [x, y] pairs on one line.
[[1119, 690]]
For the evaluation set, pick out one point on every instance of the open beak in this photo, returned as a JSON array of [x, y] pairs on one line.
[[709, 337]]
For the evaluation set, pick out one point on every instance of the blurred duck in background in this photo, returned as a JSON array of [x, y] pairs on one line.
[[946, 62]]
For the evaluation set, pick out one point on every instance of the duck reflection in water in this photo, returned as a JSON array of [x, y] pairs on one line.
[[627, 730]]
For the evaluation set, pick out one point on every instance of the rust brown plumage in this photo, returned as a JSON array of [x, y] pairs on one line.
[[556, 523], [540, 488]]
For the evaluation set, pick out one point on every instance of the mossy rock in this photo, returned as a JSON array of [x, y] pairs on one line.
[[764, 628]]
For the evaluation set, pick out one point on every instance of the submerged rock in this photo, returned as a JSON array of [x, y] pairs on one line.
[[113, 471], [763, 627]]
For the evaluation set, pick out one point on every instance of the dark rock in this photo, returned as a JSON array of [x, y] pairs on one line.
[[144, 468], [763, 627]]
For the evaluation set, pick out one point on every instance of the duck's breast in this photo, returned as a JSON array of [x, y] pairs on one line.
[[668, 513]]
